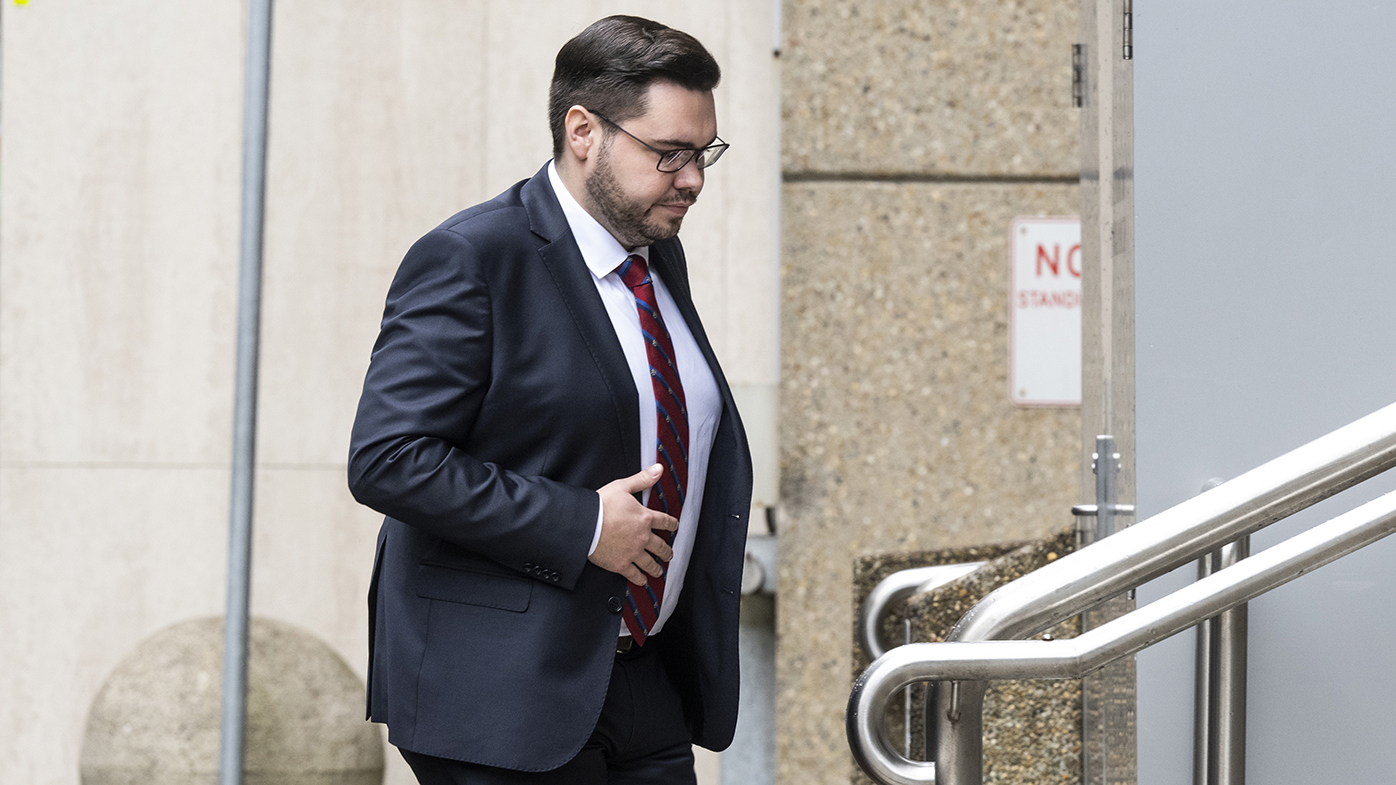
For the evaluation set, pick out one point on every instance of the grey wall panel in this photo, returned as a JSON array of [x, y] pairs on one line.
[[1266, 316]]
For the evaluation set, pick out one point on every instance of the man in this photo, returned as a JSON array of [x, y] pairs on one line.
[[565, 478]]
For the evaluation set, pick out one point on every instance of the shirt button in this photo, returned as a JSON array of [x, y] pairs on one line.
[[613, 605]]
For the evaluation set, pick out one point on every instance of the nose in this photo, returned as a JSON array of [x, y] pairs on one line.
[[690, 176]]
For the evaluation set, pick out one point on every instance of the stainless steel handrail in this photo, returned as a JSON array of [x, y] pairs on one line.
[[1093, 574], [895, 588], [1074, 658]]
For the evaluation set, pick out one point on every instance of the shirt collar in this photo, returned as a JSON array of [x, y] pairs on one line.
[[601, 252]]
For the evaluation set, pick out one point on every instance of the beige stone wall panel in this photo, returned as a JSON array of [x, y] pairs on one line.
[[313, 549], [119, 249], [896, 428], [91, 561], [376, 113], [968, 88]]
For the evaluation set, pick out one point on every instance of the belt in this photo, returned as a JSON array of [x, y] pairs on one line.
[[628, 649]]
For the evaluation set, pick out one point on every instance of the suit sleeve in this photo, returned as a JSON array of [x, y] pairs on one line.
[[425, 383]]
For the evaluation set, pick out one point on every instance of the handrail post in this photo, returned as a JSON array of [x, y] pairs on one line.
[[1202, 685], [1226, 760], [1219, 710], [959, 731]]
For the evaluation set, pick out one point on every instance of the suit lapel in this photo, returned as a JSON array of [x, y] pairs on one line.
[[573, 280]]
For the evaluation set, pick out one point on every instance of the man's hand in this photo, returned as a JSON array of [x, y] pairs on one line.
[[628, 545]]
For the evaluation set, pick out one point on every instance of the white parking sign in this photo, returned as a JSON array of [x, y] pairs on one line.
[[1044, 348]]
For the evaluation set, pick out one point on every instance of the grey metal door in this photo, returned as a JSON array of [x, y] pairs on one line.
[[1265, 263]]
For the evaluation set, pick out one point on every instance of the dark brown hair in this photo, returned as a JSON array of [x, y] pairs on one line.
[[609, 67]]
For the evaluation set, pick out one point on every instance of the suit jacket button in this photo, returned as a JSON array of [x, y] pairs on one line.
[[613, 605]]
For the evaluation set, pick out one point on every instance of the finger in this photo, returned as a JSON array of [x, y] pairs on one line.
[[650, 566], [643, 479], [634, 574], [664, 522], [660, 549]]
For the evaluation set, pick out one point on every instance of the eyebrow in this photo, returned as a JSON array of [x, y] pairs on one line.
[[678, 144]]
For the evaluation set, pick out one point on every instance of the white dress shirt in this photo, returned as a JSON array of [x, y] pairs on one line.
[[603, 254]]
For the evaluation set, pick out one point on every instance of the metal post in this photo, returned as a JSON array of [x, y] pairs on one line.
[[1202, 748], [254, 157], [906, 697], [1226, 760], [1107, 698], [1202, 686], [1107, 470]]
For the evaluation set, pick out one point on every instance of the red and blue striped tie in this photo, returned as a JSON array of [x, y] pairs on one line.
[[671, 449]]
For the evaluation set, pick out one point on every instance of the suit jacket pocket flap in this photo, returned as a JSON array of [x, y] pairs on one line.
[[473, 588]]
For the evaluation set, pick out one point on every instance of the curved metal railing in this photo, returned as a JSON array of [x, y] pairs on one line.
[[1102, 570], [895, 589]]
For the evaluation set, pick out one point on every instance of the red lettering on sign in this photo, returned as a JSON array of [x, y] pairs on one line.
[[1038, 298], [1054, 261]]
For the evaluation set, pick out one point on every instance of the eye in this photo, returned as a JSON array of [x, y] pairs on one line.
[[675, 156]]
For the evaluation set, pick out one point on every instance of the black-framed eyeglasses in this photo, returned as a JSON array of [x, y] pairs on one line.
[[671, 161]]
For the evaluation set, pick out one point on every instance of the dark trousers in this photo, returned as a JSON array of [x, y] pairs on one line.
[[640, 739]]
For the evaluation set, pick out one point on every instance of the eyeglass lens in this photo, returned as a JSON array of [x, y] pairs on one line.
[[677, 159]]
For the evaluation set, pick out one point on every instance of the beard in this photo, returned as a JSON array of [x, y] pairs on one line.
[[629, 220]]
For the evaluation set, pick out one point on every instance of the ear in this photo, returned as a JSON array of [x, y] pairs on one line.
[[581, 133]]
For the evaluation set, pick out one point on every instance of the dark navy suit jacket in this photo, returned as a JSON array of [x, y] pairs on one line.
[[497, 401]]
